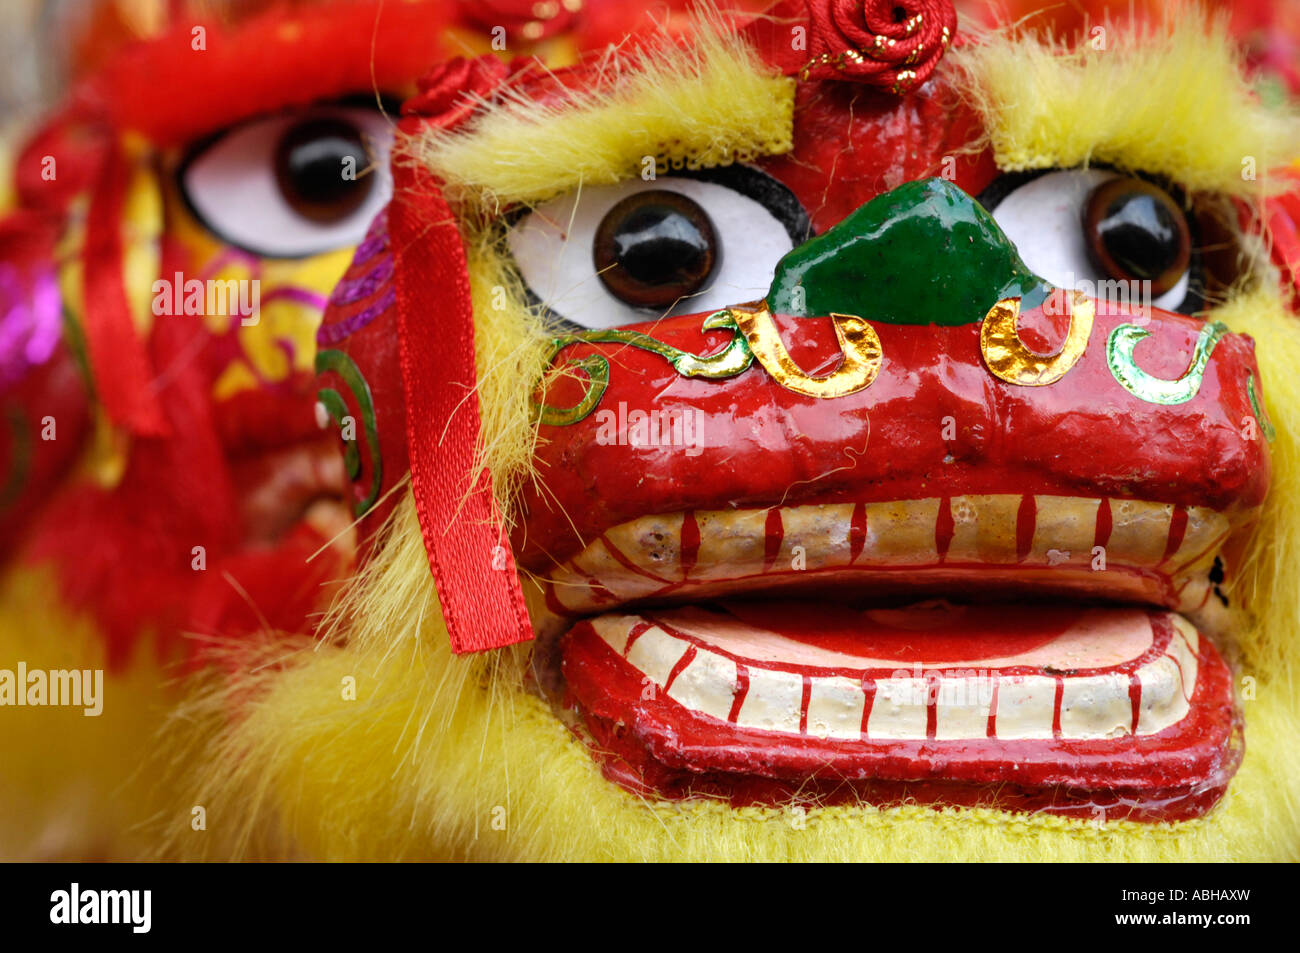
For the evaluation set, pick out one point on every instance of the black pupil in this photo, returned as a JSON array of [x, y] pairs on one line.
[[319, 166], [1141, 235], [654, 247]]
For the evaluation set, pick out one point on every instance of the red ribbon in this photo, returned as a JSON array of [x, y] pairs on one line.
[[119, 365], [464, 536]]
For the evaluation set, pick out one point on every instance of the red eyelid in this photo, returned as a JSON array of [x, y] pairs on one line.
[[173, 94]]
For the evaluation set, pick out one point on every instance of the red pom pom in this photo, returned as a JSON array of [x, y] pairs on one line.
[[449, 92], [893, 44]]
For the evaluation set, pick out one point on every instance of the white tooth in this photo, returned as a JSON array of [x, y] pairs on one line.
[[821, 535], [705, 685], [1026, 706], [653, 543], [622, 583], [835, 707], [901, 533], [774, 701], [984, 529], [1096, 707], [1067, 524], [732, 544], [1205, 534], [615, 629], [573, 590], [899, 709], [1163, 702], [655, 653], [962, 706], [1184, 649], [1139, 532]]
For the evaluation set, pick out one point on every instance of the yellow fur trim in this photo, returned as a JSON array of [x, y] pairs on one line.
[[74, 787], [708, 104], [1269, 584], [510, 346], [1169, 100]]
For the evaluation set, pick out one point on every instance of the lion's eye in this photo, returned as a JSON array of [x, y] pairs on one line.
[[1136, 232], [654, 248], [615, 255], [1102, 233], [293, 186]]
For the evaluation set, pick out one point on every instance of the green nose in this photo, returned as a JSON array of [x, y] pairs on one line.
[[923, 253]]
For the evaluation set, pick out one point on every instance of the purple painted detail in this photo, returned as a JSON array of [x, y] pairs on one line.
[[331, 334], [351, 290], [355, 288], [376, 239], [30, 321]]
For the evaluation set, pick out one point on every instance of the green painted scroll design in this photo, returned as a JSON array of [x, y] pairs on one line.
[[730, 361], [1261, 415], [337, 408], [1157, 390]]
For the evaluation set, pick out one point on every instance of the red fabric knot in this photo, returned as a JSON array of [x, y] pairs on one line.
[[449, 93], [530, 20], [893, 44]]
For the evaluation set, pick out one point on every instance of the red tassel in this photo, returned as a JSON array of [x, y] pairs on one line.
[[469, 554], [118, 361]]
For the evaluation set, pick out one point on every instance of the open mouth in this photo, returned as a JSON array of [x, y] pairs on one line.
[[836, 657]]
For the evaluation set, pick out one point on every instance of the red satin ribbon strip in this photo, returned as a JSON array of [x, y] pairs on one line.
[[469, 553], [119, 364]]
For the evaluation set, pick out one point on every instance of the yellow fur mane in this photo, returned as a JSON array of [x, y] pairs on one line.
[[1168, 100], [701, 105]]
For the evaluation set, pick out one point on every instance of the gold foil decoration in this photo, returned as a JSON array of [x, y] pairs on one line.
[[1008, 357], [858, 341]]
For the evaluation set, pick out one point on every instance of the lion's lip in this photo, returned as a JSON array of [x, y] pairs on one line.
[[1060, 708], [937, 671], [985, 547]]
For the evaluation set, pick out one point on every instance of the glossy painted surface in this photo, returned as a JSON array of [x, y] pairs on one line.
[[923, 253], [934, 422]]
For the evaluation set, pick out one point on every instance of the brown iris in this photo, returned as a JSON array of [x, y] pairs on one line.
[[1137, 232], [655, 247], [319, 165]]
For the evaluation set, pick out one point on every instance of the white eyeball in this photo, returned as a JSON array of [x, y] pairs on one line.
[[1045, 218], [616, 255], [295, 185]]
